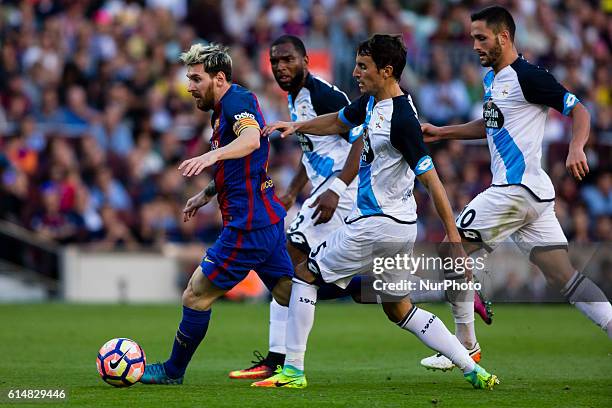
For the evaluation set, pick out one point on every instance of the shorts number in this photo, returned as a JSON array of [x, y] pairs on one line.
[[316, 251], [296, 223], [467, 218]]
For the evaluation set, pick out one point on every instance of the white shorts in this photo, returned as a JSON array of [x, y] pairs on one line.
[[303, 234], [351, 249], [511, 211]]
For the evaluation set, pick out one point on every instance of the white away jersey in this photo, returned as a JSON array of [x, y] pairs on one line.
[[515, 106], [323, 155], [393, 152]]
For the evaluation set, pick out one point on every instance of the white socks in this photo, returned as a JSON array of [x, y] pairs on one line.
[[299, 322], [462, 307], [278, 327], [427, 296], [432, 331], [581, 292]]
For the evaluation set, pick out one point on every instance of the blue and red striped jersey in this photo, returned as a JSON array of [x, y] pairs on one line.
[[244, 190]]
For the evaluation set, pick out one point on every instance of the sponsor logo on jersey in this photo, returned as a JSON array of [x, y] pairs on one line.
[[493, 116], [570, 100], [244, 115], [425, 164], [367, 154], [305, 142], [267, 184]]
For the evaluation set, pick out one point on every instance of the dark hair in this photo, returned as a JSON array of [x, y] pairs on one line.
[[498, 18], [291, 39], [385, 50]]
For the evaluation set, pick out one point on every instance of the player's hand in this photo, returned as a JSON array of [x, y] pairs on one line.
[[287, 200], [286, 128], [194, 166], [326, 205], [431, 133], [456, 251], [576, 163], [193, 204]]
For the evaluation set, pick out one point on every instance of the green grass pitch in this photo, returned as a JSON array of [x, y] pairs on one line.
[[545, 356]]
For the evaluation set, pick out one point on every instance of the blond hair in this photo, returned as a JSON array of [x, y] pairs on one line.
[[214, 58]]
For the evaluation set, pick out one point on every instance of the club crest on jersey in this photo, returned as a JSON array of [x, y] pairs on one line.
[[380, 121], [214, 144], [493, 116], [505, 92], [303, 111]]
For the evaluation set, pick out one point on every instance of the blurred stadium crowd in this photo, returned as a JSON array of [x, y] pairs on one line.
[[95, 117]]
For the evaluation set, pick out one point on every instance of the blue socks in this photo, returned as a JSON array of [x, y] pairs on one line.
[[190, 333]]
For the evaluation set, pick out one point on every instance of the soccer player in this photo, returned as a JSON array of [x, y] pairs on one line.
[[385, 211], [329, 163], [520, 202], [330, 167], [253, 235]]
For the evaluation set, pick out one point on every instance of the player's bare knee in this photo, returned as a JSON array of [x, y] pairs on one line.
[[189, 298], [302, 272], [282, 292], [197, 302]]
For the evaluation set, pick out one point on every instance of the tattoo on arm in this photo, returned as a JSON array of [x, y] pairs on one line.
[[210, 189]]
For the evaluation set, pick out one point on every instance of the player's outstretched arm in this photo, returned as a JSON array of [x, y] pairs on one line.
[[329, 124], [576, 162], [297, 184], [327, 202], [471, 130], [199, 200], [436, 191], [243, 145]]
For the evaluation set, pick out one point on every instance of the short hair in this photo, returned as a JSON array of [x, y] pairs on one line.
[[498, 18], [291, 39], [385, 50], [214, 57]]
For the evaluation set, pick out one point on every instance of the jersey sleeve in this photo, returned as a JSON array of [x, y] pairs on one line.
[[407, 137], [242, 112], [326, 98], [355, 113], [541, 88]]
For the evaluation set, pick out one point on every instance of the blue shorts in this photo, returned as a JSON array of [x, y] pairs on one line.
[[236, 252]]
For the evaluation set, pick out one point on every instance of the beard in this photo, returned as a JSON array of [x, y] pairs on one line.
[[207, 101], [295, 82], [493, 55]]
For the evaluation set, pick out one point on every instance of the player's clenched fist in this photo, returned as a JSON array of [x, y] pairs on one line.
[[286, 128], [431, 133], [326, 205], [194, 166]]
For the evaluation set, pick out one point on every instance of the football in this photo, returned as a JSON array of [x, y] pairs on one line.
[[121, 362]]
